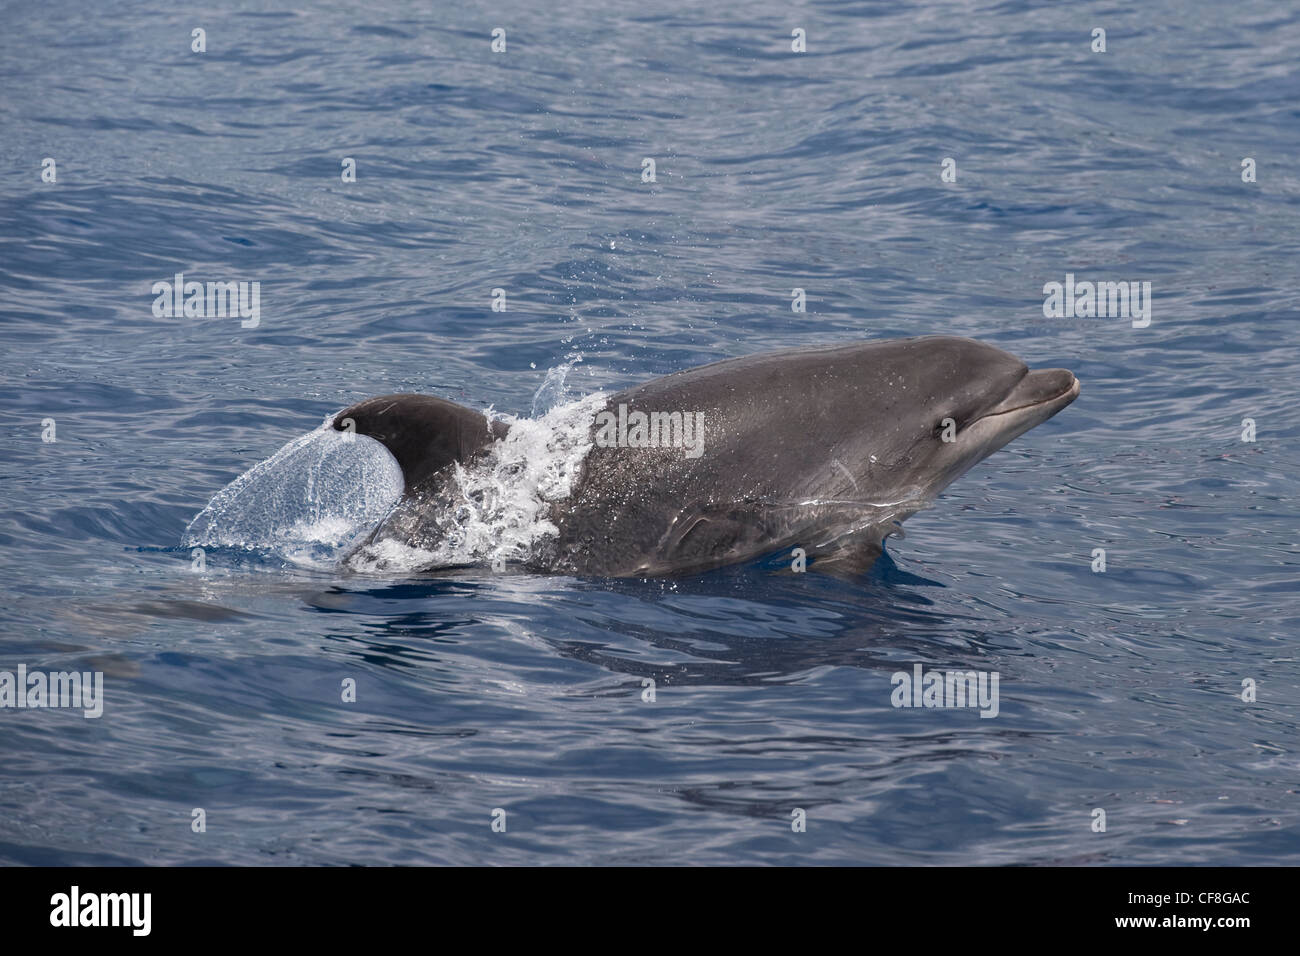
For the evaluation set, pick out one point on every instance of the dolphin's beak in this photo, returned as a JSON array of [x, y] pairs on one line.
[[1043, 392], [1034, 399]]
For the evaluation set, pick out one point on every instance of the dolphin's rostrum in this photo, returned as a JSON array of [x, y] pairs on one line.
[[824, 449]]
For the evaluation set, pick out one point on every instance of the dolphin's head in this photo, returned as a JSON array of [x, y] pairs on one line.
[[939, 405], [424, 433], [975, 423]]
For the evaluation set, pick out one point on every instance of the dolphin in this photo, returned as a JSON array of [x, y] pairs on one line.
[[824, 449]]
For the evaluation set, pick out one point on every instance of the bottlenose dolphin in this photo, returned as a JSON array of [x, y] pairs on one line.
[[824, 449]]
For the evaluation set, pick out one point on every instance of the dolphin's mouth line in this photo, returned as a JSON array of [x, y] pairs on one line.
[[1071, 390]]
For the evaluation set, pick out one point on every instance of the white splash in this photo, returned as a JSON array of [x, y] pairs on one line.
[[310, 502], [500, 503], [554, 390]]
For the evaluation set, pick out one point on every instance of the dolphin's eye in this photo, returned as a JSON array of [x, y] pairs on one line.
[[942, 425], [950, 426]]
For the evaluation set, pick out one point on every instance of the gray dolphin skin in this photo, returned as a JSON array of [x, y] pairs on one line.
[[824, 449]]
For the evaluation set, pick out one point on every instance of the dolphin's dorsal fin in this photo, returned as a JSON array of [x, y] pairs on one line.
[[423, 432]]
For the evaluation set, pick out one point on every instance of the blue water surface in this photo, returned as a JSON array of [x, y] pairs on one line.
[[476, 691]]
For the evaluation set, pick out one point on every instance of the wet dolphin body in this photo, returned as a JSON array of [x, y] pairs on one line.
[[824, 449]]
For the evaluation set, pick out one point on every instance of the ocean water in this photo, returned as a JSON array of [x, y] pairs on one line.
[[478, 691]]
